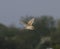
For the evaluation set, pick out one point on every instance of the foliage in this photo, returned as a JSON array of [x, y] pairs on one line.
[[15, 38]]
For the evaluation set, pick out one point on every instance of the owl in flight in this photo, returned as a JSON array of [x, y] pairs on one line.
[[29, 24]]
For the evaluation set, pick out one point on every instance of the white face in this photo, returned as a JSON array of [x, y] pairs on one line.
[[29, 27]]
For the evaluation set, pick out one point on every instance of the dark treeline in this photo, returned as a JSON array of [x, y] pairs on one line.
[[17, 38]]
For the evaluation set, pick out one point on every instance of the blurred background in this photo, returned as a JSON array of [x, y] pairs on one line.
[[47, 24]]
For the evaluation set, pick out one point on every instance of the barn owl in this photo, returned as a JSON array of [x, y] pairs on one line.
[[29, 24]]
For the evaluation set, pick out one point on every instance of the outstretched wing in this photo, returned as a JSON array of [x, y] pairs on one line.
[[31, 21], [21, 22]]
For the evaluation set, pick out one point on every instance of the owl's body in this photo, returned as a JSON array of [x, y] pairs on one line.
[[29, 25]]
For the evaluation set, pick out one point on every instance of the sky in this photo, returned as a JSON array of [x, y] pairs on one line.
[[12, 10]]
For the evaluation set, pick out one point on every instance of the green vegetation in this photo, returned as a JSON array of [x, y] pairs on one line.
[[15, 38]]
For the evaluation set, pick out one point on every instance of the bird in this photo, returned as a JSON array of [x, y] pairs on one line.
[[29, 24]]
